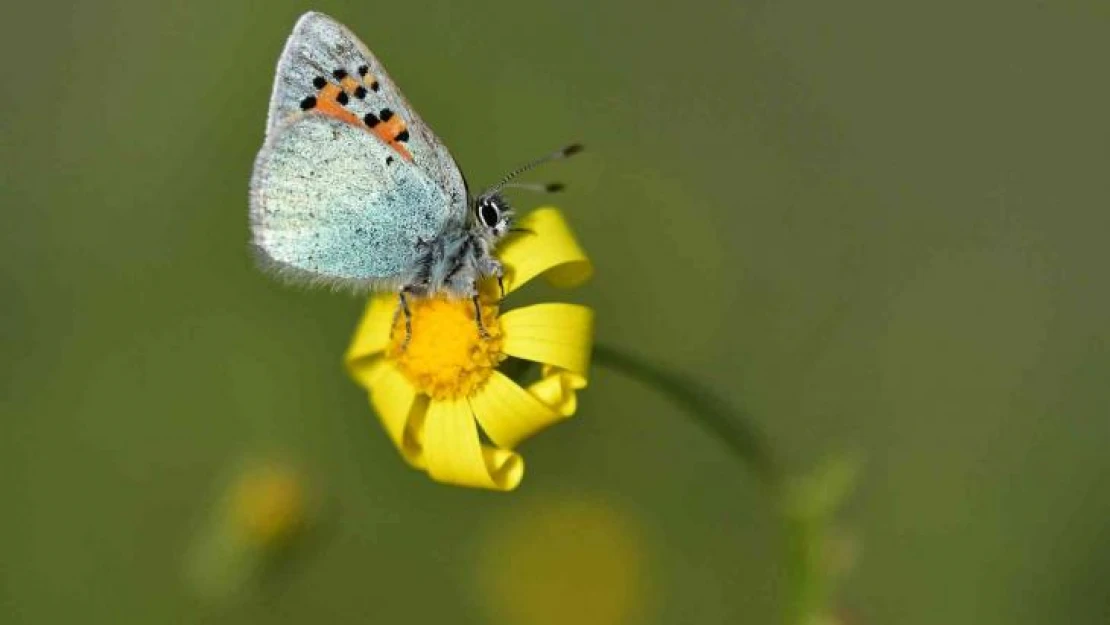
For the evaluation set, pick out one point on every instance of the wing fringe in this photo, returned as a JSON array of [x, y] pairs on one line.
[[295, 276]]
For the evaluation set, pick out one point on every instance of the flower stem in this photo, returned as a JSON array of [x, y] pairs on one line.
[[730, 425], [804, 506]]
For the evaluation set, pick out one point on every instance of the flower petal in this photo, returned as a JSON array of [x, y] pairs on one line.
[[557, 389], [371, 336], [400, 409], [548, 248], [554, 334], [509, 414], [455, 455]]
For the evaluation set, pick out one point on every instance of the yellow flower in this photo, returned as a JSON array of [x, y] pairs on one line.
[[264, 507], [564, 560], [267, 504], [433, 394]]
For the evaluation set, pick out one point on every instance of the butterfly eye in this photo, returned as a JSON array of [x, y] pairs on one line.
[[489, 214]]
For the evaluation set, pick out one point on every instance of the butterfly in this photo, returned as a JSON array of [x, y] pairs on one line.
[[351, 188]]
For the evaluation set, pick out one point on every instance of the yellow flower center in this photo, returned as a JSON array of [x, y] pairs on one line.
[[446, 356]]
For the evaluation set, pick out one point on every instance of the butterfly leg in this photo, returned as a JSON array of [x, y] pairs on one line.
[[482, 332], [495, 268], [403, 308]]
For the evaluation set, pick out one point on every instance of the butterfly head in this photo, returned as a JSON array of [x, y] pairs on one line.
[[492, 217]]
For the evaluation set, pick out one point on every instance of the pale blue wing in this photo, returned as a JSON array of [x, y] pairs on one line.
[[325, 207], [317, 48]]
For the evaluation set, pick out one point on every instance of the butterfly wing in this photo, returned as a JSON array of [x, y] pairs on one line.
[[321, 51], [325, 208], [350, 182]]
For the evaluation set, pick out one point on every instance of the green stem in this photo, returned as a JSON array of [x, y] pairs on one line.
[[736, 430], [728, 424]]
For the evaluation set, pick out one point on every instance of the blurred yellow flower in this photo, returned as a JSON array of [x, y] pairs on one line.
[[264, 506], [564, 560], [267, 504], [433, 394]]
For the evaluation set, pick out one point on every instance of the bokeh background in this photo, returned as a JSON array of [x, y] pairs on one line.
[[876, 226]]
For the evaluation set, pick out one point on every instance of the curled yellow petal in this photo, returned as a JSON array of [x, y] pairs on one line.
[[455, 454], [548, 247], [554, 334], [371, 336], [508, 413], [557, 389], [400, 409]]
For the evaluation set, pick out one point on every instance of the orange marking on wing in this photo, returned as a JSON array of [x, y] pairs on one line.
[[326, 104], [390, 129], [349, 84], [401, 149], [387, 137]]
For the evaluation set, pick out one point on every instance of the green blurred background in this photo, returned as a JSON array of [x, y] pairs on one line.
[[877, 226]]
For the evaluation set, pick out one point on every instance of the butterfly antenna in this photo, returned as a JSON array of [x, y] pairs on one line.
[[570, 150], [551, 187]]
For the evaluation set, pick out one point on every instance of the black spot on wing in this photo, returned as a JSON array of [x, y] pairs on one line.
[[308, 103]]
